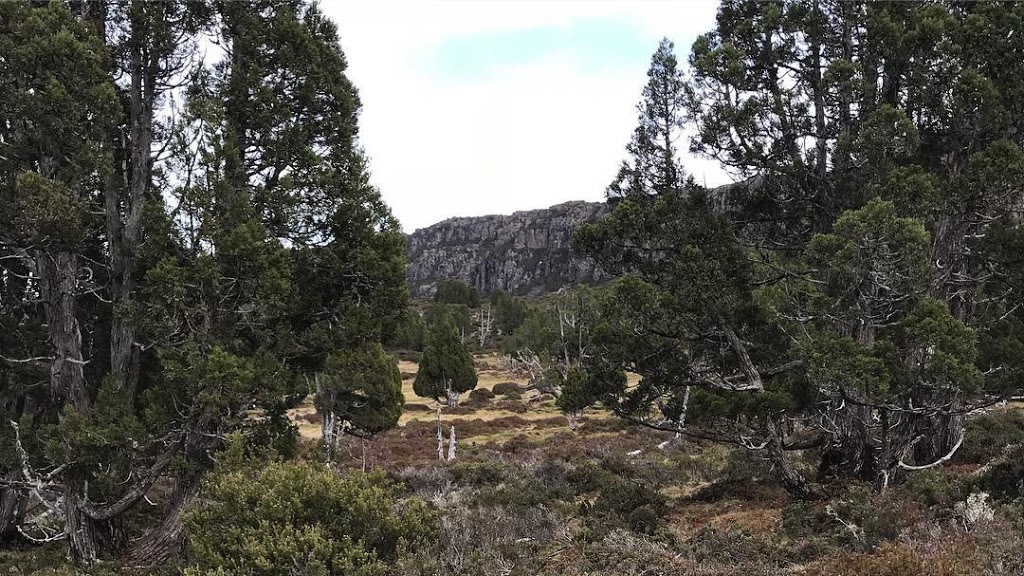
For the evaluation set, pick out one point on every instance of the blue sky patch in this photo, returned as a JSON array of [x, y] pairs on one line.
[[592, 45]]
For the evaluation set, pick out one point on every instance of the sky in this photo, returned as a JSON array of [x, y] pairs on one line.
[[474, 107]]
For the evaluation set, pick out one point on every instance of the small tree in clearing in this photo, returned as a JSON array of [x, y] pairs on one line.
[[446, 368], [359, 393]]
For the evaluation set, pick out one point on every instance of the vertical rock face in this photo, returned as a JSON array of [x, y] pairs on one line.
[[526, 253]]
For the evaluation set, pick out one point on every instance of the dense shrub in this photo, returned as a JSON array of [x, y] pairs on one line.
[[506, 388], [511, 405], [451, 291], [479, 473], [480, 396], [1004, 479], [858, 519], [936, 486], [286, 518], [985, 436]]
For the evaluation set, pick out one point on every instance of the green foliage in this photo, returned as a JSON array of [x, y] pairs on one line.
[[934, 487], [457, 314], [363, 388], [509, 311], [446, 368], [506, 388], [653, 166], [538, 332], [1004, 479], [187, 243], [451, 291], [281, 517], [987, 435], [410, 332]]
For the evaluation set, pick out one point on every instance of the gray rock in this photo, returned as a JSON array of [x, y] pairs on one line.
[[526, 253]]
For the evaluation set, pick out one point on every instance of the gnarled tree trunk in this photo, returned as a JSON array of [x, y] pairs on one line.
[[168, 539], [12, 503]]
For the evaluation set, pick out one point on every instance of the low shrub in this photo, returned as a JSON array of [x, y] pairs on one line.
[[511, 405], [1004, 478], [936, 486], [480, 396], [479, 473], [985, 436], [504, 388], [282, 518]]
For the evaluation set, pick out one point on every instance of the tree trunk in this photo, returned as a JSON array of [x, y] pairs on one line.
[[166, 540], [681, 420], [452, 398], [12, 502], [58, 283], [941, 432], [440, 438], [124, 228], [848, 452], [78, 526], [575, 419], [788, 476], [451, 444]]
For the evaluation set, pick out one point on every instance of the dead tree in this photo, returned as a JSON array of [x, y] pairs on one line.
[[486, 324]]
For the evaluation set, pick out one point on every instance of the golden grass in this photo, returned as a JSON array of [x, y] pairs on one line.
[[488, 377]]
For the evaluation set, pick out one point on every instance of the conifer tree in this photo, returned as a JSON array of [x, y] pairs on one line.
[[652, 166], [446, 368], [857, 278], [359, 393], [166, 268]]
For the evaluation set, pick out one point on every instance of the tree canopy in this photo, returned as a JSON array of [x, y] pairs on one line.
[[446, 367], [853, 291], [184, 243]]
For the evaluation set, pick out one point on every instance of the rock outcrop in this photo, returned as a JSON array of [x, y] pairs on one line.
[[525, 253]]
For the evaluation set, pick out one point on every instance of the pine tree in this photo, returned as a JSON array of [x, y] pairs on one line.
[[446, 367], [858, 276], [359, 393], [653, 164], [167, 268]]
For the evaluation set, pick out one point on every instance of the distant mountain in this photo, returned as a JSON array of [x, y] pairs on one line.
[[525, 253]]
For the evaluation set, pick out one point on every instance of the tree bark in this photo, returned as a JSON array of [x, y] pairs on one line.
[[78, 526], [166, 540], [451, 444], [848, 450], [452, 398], [125, 200], [792, 481], [58, 283], [12, 502]]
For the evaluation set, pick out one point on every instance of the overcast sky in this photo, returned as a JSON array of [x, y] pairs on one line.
[[475, 107]]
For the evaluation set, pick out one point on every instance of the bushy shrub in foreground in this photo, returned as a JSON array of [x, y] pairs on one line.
[[284, 518]]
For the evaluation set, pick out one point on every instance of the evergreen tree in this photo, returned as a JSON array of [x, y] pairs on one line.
[[509, 311], [165, 269], [359, 393], [446, 367], [652, 166], [856, 276], [450, 291]]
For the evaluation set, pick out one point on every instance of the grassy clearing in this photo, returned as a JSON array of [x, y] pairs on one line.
[[540, 419]]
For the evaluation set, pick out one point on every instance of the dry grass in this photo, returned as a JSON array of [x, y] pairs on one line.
[[424, 410]]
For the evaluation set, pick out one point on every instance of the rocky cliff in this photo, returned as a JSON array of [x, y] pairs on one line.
[[524, 253]]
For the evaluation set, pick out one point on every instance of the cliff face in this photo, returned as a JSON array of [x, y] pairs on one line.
[[526, 253]]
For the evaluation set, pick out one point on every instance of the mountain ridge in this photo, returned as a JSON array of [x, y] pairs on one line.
[[527, 252]]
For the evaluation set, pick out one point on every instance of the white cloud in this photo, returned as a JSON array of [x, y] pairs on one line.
[[525, 137]]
